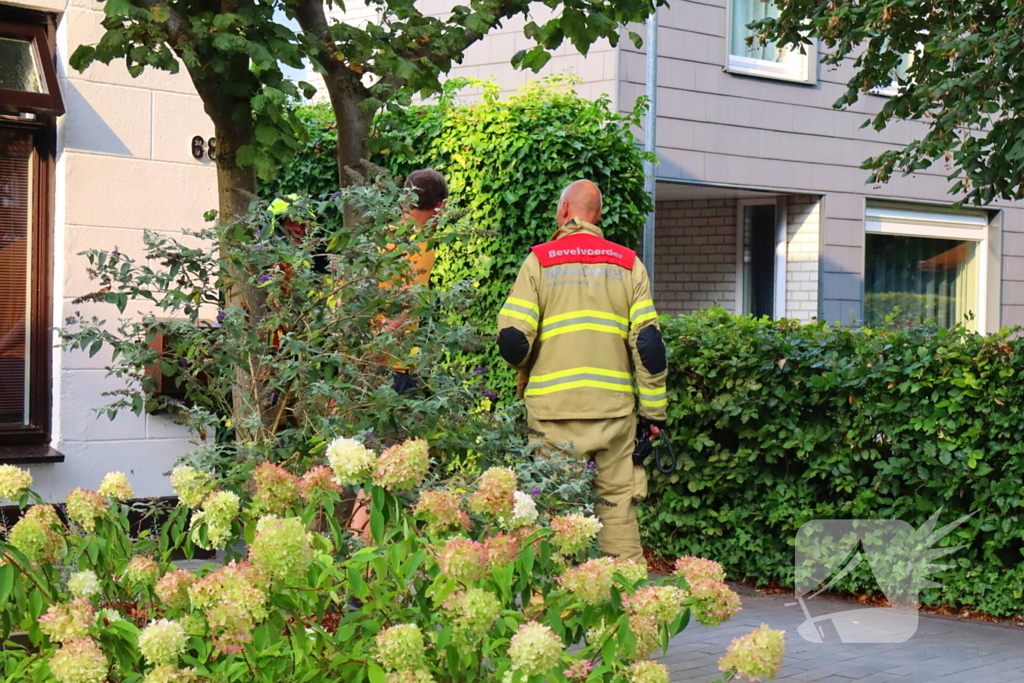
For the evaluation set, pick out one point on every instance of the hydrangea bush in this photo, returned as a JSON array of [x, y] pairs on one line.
[[449, 584]]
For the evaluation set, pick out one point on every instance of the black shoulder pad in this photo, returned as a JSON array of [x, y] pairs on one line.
[[651, 348], [513, 345]]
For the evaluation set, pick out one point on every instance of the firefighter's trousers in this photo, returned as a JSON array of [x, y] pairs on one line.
[[609, 443]]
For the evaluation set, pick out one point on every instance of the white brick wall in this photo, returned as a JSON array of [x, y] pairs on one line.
[[695, 255], [803, 249], [124, 165]]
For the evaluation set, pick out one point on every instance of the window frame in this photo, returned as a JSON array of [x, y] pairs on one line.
[[806, 73], [928, 222], [49, 102], [781, 252]]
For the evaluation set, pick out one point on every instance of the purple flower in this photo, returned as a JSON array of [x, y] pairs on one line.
[[488, 395], [368, 437], [264, 279], [482, 370], [259, 232], [78, 314], [115, 253], [535, 491], [591, 465], [220, 317]]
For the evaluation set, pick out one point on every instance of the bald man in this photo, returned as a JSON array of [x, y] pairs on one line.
[[581, 329]]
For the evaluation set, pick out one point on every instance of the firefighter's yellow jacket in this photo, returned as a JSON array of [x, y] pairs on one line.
[[580, 321]]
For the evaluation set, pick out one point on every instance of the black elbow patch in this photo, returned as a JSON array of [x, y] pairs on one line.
[[651, 348], [513, 345]]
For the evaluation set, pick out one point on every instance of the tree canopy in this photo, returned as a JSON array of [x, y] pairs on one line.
[[963, 79]]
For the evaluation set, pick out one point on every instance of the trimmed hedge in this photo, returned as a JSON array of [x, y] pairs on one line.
[[778, 423]]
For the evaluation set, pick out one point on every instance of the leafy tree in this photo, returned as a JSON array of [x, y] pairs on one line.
[[963, 81], [233, 51]]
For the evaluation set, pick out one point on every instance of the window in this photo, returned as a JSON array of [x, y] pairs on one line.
[[899, 75], [769, 61], [932, 266], [761, 263], [28, 96]]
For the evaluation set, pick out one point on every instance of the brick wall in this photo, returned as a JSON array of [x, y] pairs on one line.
[[695, 255], [802, 254]]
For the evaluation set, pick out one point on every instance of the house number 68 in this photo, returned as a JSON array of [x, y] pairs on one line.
[[201, 147]]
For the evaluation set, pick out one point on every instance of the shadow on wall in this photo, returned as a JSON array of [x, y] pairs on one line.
[[842, 294], [85, 128]]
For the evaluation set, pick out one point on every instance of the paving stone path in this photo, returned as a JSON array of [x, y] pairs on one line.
[[944, 649]]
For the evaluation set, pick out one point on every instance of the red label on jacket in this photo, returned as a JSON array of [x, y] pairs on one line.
[[584, 248]]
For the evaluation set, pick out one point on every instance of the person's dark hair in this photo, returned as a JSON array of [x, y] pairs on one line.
[[429, 186]]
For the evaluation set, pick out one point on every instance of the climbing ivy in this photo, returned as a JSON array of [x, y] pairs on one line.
[[506, 161]]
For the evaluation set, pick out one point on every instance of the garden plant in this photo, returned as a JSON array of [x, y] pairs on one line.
[[487, 582]]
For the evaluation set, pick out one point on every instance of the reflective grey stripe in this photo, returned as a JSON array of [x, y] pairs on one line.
[[640, 311], [581, 376], [583, 319], [522, 309]]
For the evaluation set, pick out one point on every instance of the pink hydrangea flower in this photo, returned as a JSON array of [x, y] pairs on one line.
[[320, 478], [37, 534], [502, 549], [715, 602], [574, 532], [233, 602], [172, 588], [169, 673], [277, 489], [632, 571], [591, 581], [661, 602], [696, 568], [579, 670], [67, 621], [79, 661], [403, 467], [648, 637], [85, 506], [755, 656], [442, 510], [494, 493], [463, 560]]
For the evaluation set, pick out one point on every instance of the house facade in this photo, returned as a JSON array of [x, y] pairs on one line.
[[762, 206], [87, 160]]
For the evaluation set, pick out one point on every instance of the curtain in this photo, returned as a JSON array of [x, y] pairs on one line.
[[743, 13]]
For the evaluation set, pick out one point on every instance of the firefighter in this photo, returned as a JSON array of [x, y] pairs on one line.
[[580, 325]]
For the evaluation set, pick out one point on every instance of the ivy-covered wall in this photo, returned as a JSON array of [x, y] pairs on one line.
[[778, 423], [506, 162]]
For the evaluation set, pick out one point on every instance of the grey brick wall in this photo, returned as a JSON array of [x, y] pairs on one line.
[[803, 251], [695, 258]]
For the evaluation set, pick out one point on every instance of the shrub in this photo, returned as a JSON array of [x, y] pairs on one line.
[[506, 162], [311, 602], [778, 423]]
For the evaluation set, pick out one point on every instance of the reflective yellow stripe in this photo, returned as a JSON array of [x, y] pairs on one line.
[[644, 317], [653, 404], [652, 393], [594, 327], [519, 315], [585, 314], [577, 385], [638, 305], [580, 371], [524, 303]]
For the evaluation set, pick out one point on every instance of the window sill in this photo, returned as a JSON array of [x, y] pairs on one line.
[[887, 91], [29, 455], [762, 68]]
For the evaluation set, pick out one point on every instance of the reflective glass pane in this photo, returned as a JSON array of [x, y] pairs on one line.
[[745, 12], [19, 68], [759, 260], [934, 280], [16, 168]]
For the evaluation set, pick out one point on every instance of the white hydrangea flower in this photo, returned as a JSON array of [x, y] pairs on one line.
[[524, 511], [351, 461], [84, 584]]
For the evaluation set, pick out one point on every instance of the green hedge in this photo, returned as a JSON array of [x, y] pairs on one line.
[[506, 161], [778, 423]]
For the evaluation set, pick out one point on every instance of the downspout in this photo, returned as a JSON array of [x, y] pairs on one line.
[[650, 139]]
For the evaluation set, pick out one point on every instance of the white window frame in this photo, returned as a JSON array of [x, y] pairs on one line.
[[797, 67], [952, 224], [781, 252], [893, 88]]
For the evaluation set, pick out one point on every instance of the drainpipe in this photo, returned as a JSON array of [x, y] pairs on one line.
[[650, 139]]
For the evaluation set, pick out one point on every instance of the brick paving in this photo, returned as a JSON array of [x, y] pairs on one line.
[[943, 650]]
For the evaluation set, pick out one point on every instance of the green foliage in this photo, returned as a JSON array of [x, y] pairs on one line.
[[506, 162], [962, 82], [778, 423], [311, 601], [315, 359]]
